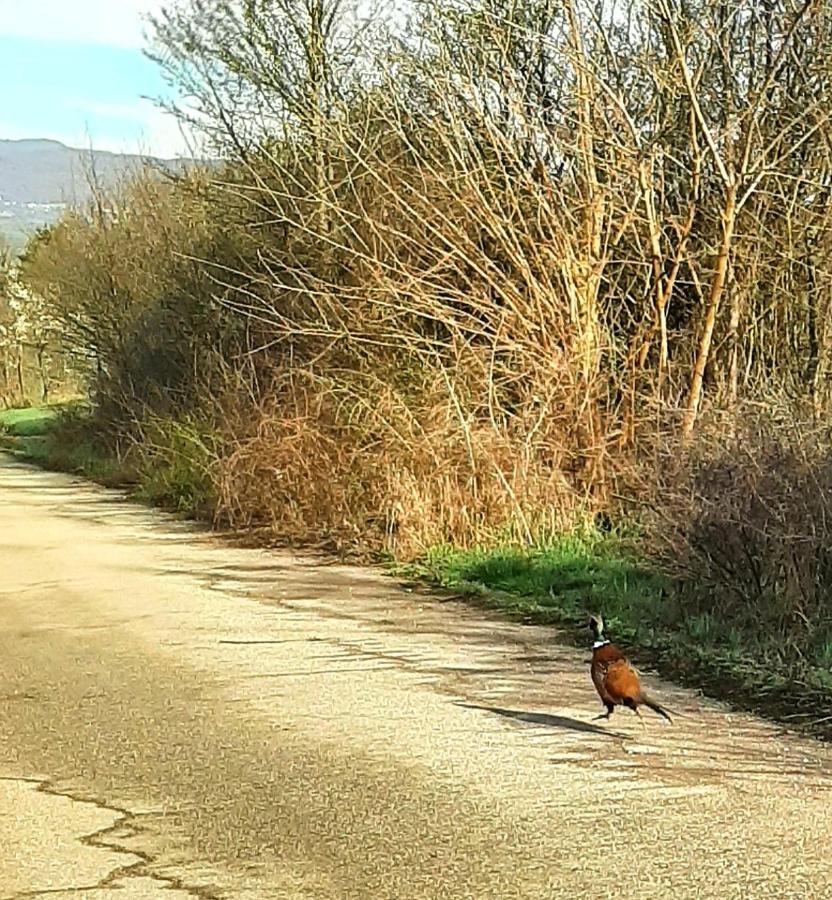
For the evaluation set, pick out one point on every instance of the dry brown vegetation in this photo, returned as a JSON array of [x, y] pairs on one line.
[[478, 274]]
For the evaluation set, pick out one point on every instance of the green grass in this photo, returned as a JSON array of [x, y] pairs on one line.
[[174, 474], [176, 467], [33, 421], [559, 582], [563, 580], [61, 438]]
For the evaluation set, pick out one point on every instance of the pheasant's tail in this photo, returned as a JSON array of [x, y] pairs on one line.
[[656, 707]]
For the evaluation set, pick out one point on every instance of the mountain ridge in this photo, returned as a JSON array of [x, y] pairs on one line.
[[41, 177]]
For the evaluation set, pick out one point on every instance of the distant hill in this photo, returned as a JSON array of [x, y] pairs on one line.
[[39, 178]]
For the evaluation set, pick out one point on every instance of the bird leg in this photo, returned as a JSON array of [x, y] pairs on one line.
[[607, 714]]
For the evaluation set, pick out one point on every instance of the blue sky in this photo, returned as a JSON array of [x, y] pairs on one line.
[[73, 71]]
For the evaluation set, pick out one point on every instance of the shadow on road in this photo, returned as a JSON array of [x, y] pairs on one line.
[[547, 720]]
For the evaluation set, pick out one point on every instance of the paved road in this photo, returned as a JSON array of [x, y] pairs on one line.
[[179, 718]]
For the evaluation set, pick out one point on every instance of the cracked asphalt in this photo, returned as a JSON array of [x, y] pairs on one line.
[[56, 845], [179, 717]]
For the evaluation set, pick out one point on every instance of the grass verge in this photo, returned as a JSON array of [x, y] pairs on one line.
[[171, 471], [61, 438], [33, 421], [564, 580]]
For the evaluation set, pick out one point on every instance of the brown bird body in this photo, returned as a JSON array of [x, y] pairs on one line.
[[616, 681]]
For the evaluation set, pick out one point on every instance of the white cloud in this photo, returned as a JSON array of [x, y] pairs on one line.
[[161, 134], [110, 22], [142, 129]]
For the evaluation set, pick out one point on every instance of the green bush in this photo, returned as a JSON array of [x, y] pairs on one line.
[[176, 464]]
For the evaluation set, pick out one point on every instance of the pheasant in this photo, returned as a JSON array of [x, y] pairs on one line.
[[616, 681]]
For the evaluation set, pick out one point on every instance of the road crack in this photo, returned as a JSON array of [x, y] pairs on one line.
[[125, 827]]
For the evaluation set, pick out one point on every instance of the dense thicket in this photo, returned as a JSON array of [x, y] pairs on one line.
[[485, 268]]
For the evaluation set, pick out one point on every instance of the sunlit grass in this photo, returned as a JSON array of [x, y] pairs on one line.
[[563, 580], [33, 421]]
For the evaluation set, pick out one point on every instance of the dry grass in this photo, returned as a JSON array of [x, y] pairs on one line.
[[372, 472]]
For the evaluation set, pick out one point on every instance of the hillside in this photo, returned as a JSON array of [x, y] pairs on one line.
[[39, 178]]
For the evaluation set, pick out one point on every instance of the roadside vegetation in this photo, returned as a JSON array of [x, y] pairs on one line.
[[558, 582], [31, 421], [534, 297]]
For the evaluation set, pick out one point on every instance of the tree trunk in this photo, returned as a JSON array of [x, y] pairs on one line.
[[729, 215], [20, 383], [44, 374], [6, 385], [734, 348]]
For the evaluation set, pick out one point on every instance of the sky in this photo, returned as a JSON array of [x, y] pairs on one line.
[[74, 71]]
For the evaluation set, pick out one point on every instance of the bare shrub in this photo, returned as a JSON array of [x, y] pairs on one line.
[[743, 520]]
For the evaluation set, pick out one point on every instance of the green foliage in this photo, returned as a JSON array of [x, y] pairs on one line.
[[63, 437], [172, 468], [134, 306], [175, 467]]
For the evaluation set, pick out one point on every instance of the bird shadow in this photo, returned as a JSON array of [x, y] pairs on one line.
[[546, 720]]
